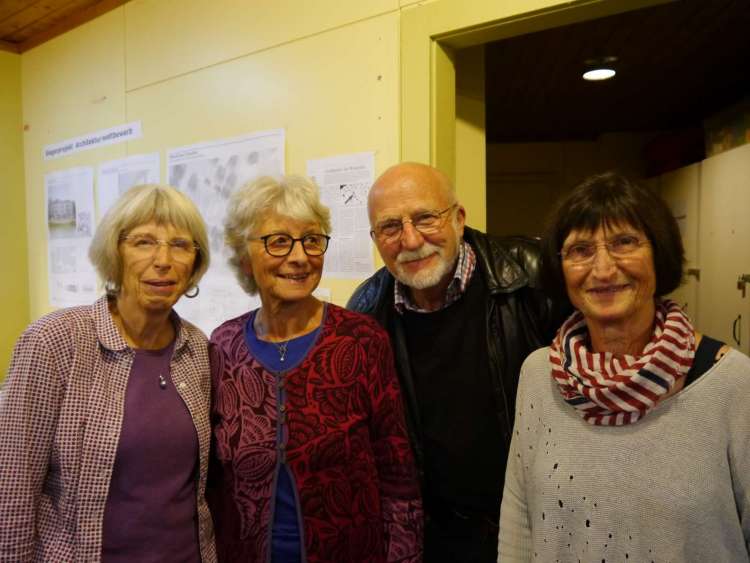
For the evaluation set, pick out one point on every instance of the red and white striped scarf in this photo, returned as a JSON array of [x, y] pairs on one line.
[[613, 390]]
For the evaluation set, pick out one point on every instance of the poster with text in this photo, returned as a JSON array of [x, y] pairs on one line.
[[116, 177], [209, 173], [69, 196], [344, 182]]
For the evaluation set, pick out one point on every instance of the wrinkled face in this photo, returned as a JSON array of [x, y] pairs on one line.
[[616, 284], [287, 278], [154, 276], [417, 260]]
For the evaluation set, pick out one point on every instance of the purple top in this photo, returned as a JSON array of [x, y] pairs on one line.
[[150, 515]]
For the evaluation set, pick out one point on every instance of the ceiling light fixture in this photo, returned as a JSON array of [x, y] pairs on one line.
[[602, 68]]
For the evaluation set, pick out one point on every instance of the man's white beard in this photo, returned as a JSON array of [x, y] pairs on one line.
[[426, 277]]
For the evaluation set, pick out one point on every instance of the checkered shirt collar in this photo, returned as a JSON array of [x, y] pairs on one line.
[[465, 265], [111, 338]]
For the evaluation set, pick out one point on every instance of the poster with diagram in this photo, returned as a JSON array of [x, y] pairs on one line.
[[115, 177], [69, 210], [209, 173], [344, 182]]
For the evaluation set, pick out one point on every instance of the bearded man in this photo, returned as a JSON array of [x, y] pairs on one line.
[[463, 310]]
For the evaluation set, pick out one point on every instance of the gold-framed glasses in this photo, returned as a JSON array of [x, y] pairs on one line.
[[426, 222], [618, 247], [146, 246], [281, 244]]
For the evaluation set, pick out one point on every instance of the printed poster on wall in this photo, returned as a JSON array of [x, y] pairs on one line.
[[344, 182], [209, 173], [115, 177], [69, 208], [101, 138]]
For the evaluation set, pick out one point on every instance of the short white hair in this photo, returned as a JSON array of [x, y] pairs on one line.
[[296, 197]]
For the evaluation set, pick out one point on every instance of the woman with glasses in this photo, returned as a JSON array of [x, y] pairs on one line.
[[311, 460], [105, 423], [631, 431]]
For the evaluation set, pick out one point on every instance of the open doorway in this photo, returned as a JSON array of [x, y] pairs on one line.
[[675, 116], [679, 76], [448, 114]]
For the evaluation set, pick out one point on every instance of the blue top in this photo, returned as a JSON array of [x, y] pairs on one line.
[[281, 357]]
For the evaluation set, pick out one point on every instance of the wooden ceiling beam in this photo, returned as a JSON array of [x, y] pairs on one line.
[[8, 46], [71, 22], [20, 26], [9, 8]]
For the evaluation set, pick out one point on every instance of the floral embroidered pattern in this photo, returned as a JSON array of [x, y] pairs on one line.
[[347, 447]]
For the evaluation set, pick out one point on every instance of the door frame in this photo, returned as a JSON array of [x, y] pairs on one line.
[[431, 33]]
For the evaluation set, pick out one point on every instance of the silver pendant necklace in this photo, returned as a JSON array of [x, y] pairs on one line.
[[281, 347], [162, 382]]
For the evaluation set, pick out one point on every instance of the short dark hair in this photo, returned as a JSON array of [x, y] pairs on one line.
[[607, 200]]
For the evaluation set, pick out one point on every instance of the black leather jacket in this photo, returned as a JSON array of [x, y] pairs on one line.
[[519, 320]]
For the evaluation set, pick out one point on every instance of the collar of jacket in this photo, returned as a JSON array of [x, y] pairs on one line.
[[506, 264], [500, 264]]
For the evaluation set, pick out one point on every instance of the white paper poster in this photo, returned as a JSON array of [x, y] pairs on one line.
[[209, 173], [344, 182], [70, 228], [116, 177]]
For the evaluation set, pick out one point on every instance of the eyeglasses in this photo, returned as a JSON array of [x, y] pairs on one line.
[[281, 244], [146, 246], [426, 222], [619, 247]]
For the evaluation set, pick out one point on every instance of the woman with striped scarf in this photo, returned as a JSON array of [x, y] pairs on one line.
[[632, 431]]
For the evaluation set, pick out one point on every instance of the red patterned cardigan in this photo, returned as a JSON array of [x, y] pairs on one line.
[[346, 447]]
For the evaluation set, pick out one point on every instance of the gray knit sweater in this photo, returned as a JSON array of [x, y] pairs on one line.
[[673, 487]]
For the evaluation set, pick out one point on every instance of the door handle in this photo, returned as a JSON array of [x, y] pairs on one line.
[[742, 281], [735, 332]]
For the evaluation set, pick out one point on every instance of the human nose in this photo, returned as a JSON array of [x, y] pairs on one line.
[[603, 264], [410, 236], [162, 253], [297, 252]]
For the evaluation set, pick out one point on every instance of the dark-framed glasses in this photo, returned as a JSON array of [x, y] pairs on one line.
[[281, 244], [146, 246], [618, 247], [426, 222]]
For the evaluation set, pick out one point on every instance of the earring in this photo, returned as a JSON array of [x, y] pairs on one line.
[[111, 289], [193, 295]]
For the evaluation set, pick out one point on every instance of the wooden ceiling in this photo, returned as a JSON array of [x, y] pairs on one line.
[[678, 63], [27, 23]]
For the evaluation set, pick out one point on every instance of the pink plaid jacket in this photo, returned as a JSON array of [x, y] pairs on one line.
[[60, 424]]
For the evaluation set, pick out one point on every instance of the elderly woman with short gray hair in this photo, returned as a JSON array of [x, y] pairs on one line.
[[312, 462], [105, 423]]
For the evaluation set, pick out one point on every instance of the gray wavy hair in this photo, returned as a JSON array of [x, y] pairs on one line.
[[296, 197]]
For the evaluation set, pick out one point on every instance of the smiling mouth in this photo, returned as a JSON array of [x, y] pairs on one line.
[[294, 277], [607, 290], [413, 261]]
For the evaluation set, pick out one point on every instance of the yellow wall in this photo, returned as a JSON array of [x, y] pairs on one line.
[[14, 295], [339, 77], [327, 72]]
